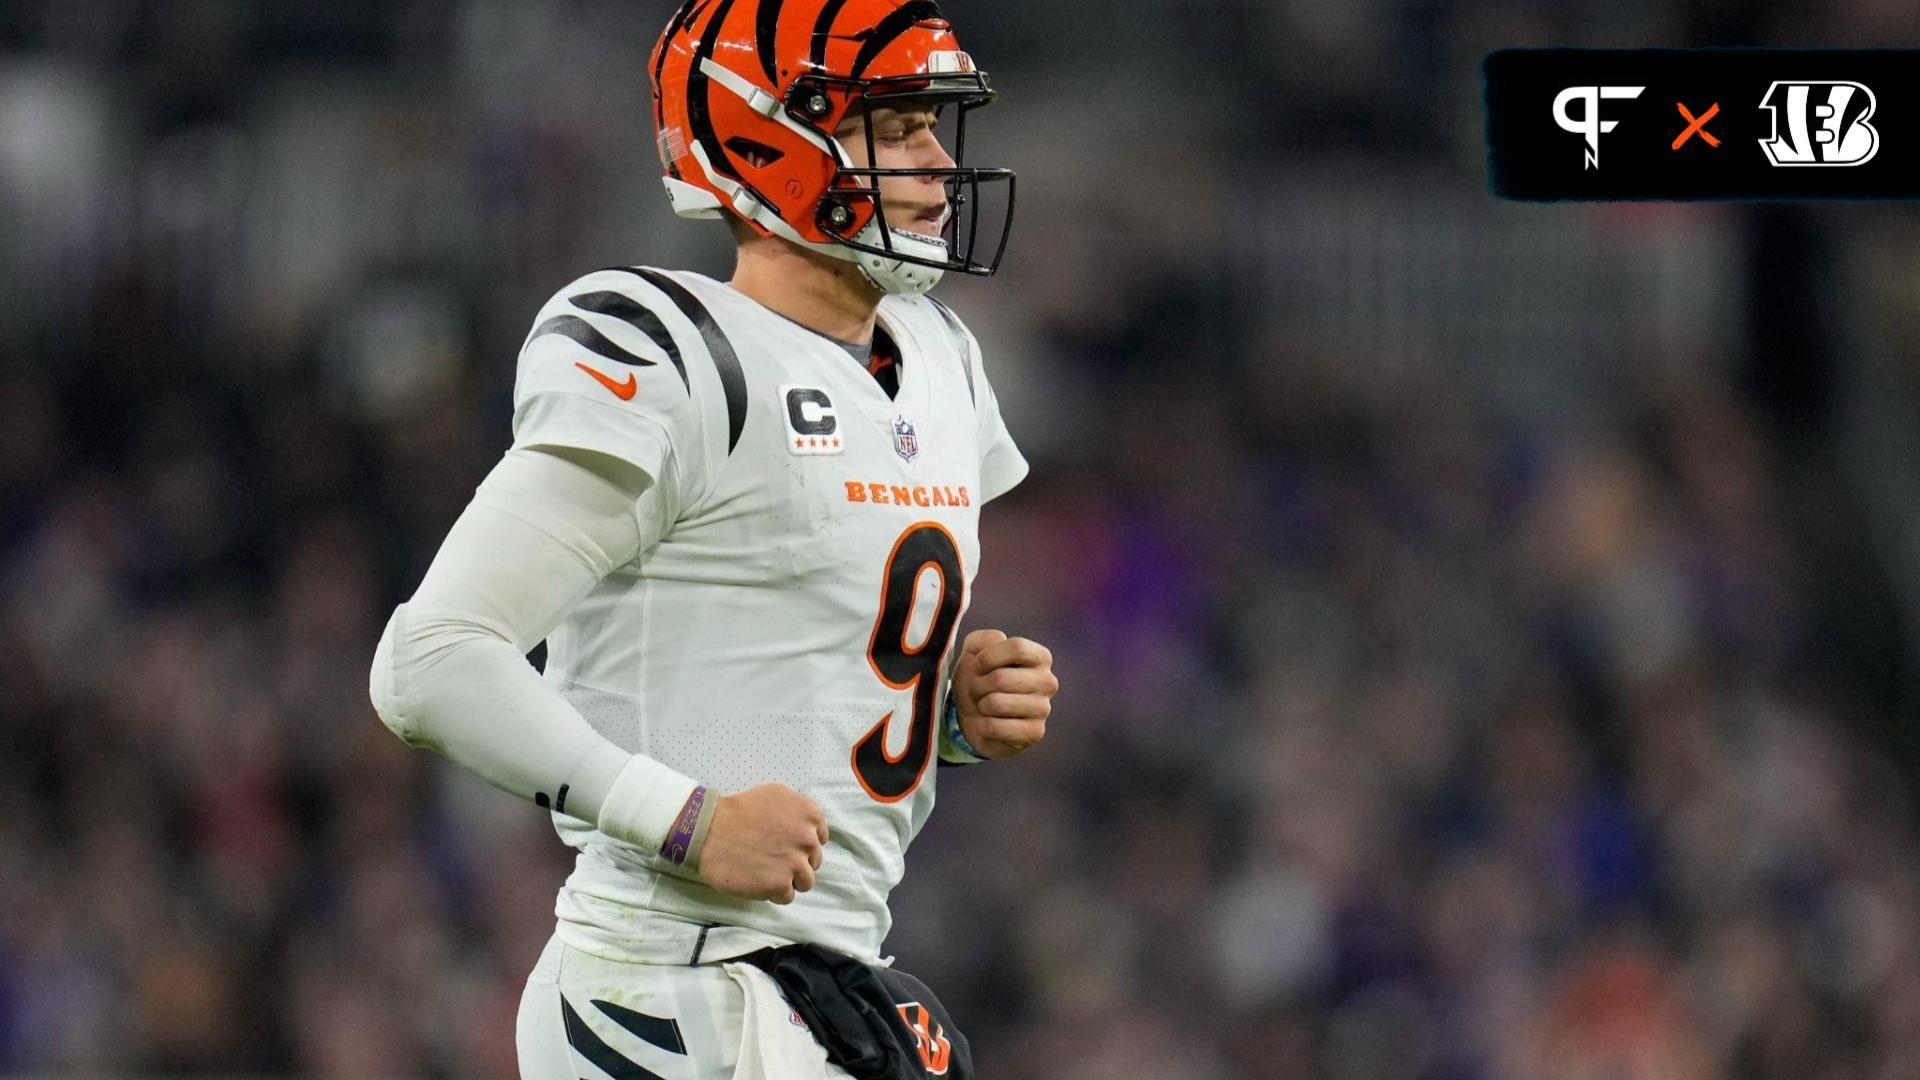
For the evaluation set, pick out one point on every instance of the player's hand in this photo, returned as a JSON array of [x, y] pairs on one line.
[[764, 844], [1004, 690]]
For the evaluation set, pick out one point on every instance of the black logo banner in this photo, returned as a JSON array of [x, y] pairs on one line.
[[1735, 124]]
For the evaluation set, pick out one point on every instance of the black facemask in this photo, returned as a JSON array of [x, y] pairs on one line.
[[972, 194]]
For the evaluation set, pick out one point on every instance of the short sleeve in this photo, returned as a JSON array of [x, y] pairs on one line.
[[602, 371], [1002, 466]]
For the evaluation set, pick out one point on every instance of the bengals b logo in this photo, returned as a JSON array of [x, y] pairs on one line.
[[1820, 123], [929, 1037]]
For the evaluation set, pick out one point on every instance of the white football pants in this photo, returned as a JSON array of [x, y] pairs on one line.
[[582, 1016]]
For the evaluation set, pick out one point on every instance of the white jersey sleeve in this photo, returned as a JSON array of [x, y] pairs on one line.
[[1002, 466], [607, 369], [450, 672]]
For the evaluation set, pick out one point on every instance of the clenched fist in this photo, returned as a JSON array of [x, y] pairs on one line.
[[764, 844], [1004, 691]]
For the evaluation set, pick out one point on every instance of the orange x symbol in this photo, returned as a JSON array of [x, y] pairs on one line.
[[1697, 125]]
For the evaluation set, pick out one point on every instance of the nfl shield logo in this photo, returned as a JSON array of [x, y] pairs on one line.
[[905, 442]]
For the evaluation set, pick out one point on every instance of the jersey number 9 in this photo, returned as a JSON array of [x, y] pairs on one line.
[[924, 546]]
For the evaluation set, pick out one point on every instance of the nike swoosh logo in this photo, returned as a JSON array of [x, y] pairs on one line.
[[622, 390]]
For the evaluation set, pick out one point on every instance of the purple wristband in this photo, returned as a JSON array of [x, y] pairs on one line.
[[680, 841]]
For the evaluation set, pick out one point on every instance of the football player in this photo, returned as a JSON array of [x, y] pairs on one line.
[[744, 516]]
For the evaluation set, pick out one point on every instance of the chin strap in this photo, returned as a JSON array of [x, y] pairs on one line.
[[897, 277]]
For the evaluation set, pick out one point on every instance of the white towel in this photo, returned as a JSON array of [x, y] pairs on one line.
[[774, 1043]]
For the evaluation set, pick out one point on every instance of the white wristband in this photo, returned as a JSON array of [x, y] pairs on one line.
[[644, 802]]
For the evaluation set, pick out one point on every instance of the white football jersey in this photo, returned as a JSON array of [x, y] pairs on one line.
[[809, 546]]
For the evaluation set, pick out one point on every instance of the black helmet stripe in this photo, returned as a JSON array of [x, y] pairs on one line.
[[680, 19], [897, 22], [767, 26], [699, 86], [823, 29], [688, 12]]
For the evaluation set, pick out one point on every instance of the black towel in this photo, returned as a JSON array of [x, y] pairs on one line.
[[876, 1023]]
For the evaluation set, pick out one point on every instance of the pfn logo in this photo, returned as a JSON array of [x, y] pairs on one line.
[[1590, 125], [1826, 124]]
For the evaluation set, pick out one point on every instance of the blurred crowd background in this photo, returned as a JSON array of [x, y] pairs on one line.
[[1488, 631]]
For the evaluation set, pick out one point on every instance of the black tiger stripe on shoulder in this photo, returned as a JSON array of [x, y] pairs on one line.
[[633, 313], [960, 339], [579, 330], [624, 308], [733, 381], [594, 1049]]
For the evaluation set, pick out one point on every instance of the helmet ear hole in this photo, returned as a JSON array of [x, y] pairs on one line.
[[755, 153]]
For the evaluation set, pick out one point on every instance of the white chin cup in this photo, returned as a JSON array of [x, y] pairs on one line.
[[896, 277]]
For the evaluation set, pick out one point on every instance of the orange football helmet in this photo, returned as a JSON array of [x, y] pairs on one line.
[[748, 93]]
